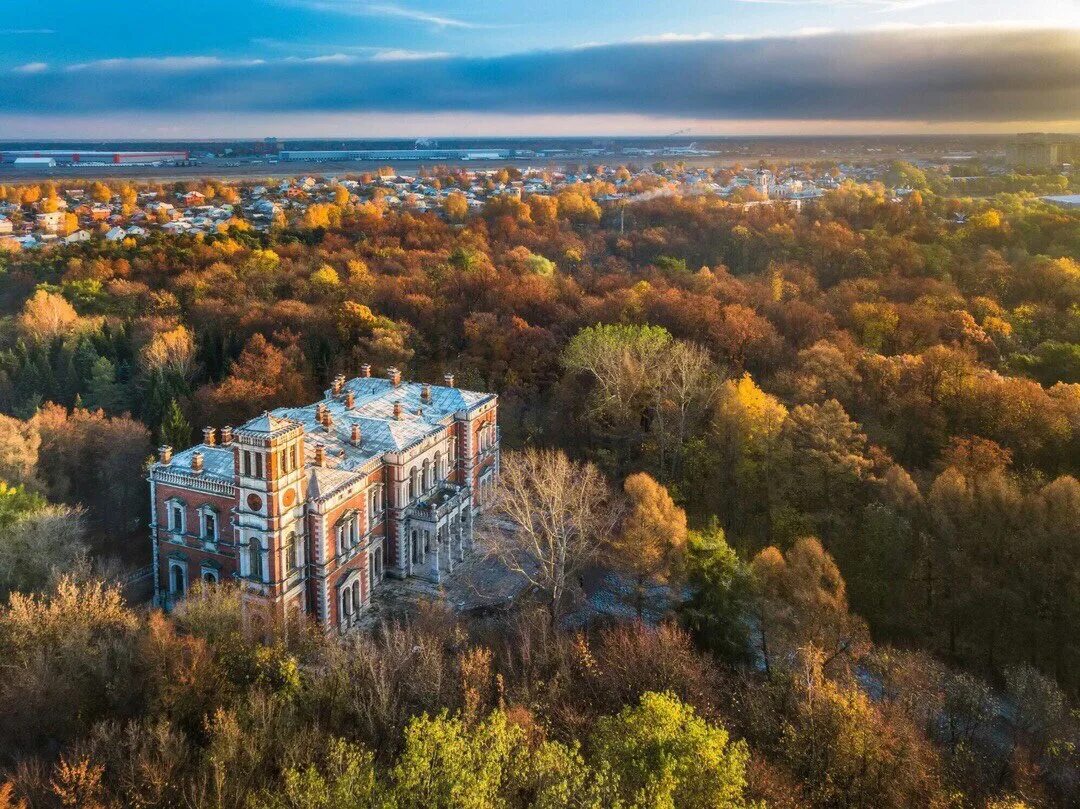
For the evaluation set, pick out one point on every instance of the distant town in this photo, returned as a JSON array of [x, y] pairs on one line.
[[58, 206]]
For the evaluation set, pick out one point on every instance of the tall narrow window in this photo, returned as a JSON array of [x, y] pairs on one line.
[[255, 558], [247, 463], [290, 552], [178, 518], [258, 465], [210, 526]]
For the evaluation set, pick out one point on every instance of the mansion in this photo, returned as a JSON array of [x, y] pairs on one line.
[[310, 507]]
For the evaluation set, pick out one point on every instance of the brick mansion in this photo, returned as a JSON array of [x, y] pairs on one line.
[[311, 507]]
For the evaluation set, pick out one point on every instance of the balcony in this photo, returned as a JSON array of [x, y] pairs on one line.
[[439, 503]]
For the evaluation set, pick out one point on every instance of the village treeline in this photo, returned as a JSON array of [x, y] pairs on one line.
[[824, 459]]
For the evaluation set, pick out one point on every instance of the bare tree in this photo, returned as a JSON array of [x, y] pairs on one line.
[[550, 517]]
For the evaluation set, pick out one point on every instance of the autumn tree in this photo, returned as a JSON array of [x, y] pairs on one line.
[[561, 514], [46, 316], [802, 601], [651, 538], [455, 206]]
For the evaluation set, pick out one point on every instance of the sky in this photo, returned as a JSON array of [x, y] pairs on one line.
[[442, 68]]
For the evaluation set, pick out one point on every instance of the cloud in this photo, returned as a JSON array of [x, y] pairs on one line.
[[926, 75], [164, 64], [358, 9], [399, 55], [32, 67], [876, 5]]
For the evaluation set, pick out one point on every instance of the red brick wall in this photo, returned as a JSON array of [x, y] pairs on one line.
[[193, 547]]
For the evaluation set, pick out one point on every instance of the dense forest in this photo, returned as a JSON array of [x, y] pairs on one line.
[[845, 437]]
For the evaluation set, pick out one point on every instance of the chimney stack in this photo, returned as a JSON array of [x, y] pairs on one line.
[[365, 371], [196, 462], [339, 384], [356, 435], [448, 379], [226, 435], [350, 400], [397, 411], [208, 436], [425, 392], [395, 376], [165, 454], [320, 455], [327, 419]]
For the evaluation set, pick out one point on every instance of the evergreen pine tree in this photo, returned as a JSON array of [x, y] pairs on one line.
[[175, 428]]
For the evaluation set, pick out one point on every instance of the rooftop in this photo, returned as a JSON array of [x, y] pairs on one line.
[[381, 432]]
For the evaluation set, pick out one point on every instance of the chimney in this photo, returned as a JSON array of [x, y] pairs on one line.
[[356, 435], [395, 376], [350, 400], [327, 419], [425, 392], [319, 408], [397, 411], [365, 370], [165, 454], [208, 436], [226, 435], [320, 455], [196, 462], [339, 384], [448, 379]]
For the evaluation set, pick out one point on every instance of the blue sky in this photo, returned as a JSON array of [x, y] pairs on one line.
[[338, 67]]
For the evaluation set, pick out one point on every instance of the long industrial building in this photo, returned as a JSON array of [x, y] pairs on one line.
[[397, 154], [70, 157]]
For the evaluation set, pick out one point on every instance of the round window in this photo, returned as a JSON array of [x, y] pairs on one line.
[[254, 502], [288, 498]]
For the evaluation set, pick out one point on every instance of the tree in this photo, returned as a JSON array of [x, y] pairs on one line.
[[848, 752], [47, 316], [561, 515], [721, 592], [662, 754], [456, 206], [175, 428], [651, 539], [345, 777], [99, 192], [820, 460], [102, 389], [801, 600], [19, 445], [39, 546], [622, 363]]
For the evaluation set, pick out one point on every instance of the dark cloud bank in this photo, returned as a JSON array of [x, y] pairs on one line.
[[928, 75]]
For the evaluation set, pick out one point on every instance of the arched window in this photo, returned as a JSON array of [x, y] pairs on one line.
[[440, 474], [176, 516], [414, 483], [356, 595], [209, 576], [255, 558], [291, 559], [346, 603], [178, 578], [427, 475]]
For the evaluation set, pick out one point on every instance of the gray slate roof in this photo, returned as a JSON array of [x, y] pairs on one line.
[[373, 410]]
